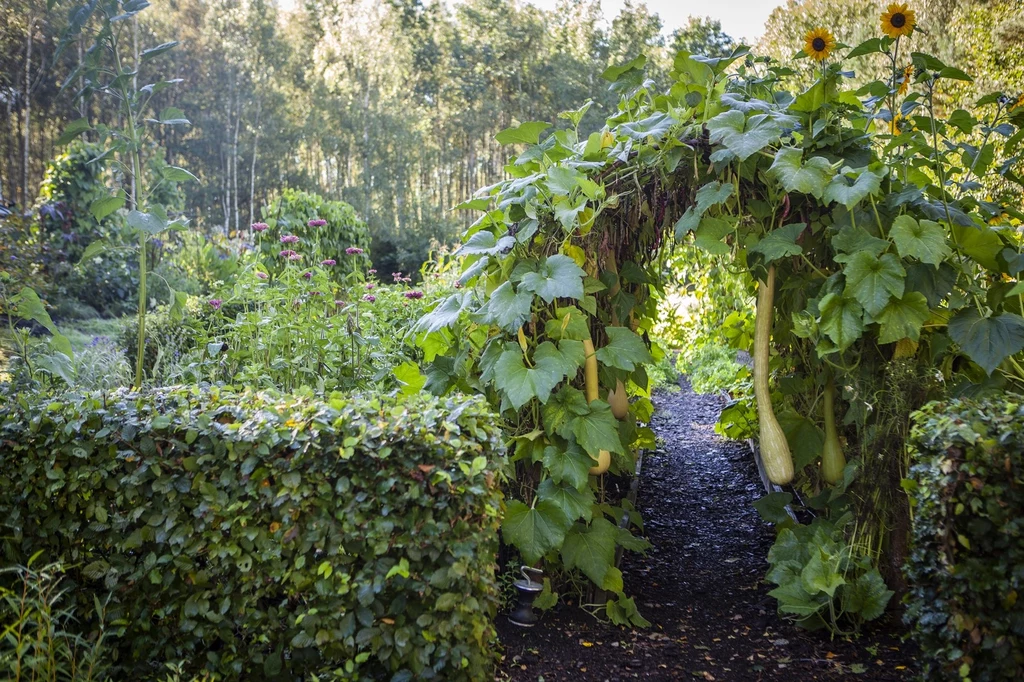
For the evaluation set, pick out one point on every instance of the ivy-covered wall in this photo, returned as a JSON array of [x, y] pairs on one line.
[[966, 567]]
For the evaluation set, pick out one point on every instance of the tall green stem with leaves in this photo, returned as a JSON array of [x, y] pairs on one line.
[[133, 101]]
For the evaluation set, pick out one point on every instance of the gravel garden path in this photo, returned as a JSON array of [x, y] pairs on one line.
[[701, 585]]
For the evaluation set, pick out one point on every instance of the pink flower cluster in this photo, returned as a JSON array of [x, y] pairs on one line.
[[308, 274], [413, 294], [287, 253], [328, 262], [397, 276], [369, 298], [370, 285], [215, 303], [262, 275], [317, 222], [289, 239], [259, 227], [353, 251], [373, 271]]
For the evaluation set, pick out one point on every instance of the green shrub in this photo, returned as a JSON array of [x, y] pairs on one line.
[[72, 182], [290, 215], [966, 567], [265, 537], [711, 367], [108, 281], [825, 574], [208, 263]]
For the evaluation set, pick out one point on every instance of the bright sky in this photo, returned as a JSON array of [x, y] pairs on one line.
[[740, 18]]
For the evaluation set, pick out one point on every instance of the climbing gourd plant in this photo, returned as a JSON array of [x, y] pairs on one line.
[[881, 232]]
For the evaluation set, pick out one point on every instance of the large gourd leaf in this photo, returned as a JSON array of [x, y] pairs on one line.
[[903, 318], [924, 240], [534, 531], [569, 465], [841, 319], [574, 503], [597, 430], [987, 340], [849, 194], [559, 277], [524, 133], [591, 550], [820, 576], [484, 242], [873, 280], [558, 413], [507, 308], [445, 313], [521, 384], [624, 350], [781, 242], [980, 243], [868, 595], [711, 194], [796, 176], [743, 136]]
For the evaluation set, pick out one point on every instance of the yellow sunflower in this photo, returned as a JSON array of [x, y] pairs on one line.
[[897, 124], [819, 43], [908, 76], [898, 21]]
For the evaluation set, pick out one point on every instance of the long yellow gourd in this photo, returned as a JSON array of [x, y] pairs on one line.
[[832, 459], [778, 462], [592, 391]]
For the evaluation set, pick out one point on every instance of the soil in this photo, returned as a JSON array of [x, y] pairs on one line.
[[701, 585]]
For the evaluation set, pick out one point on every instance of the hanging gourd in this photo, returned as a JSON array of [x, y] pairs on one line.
[[832, 459], [778, 462], [592, 391]]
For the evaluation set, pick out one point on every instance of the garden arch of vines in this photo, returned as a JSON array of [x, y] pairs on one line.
[[879, 220]]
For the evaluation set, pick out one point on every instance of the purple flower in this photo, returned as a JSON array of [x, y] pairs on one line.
[[215, 303], [339, 303], [397, 276], [329, 262], [413, 294], [353, 251], [316, 293], [262, 275], [317, 222], [295, 257], [260, 227], [370, 285], [373, 271], [287, 253], [369, 298], [308, 275], [289, 239]]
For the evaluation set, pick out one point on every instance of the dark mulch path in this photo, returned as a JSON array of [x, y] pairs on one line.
[[701, 585]]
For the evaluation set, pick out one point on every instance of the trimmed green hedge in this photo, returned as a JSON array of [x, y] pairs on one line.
[[966, 568], [266, 537]]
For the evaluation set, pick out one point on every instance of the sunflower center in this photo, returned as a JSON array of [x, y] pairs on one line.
[[899, 20], [818, 44]]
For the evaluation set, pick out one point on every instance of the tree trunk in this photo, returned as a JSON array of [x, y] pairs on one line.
[[252, 166], [81, 85], [234, 155], [28, 115]]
